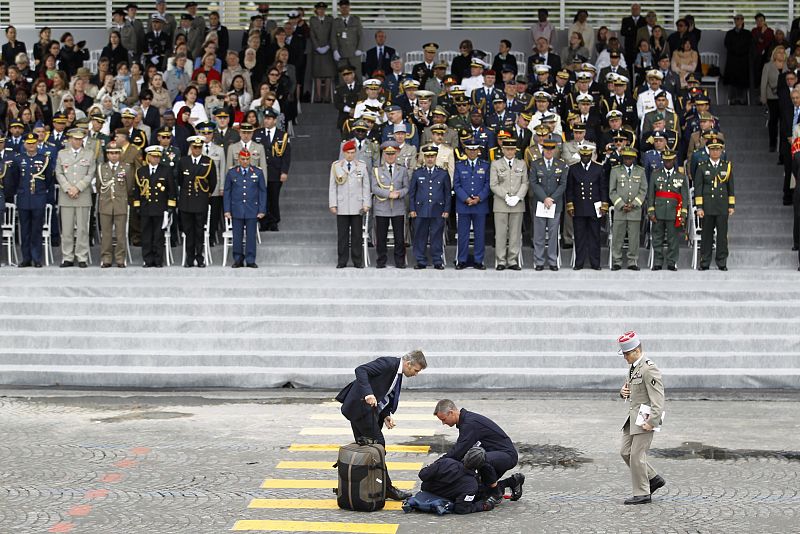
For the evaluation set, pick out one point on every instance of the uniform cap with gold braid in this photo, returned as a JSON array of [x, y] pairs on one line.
[[629, 152], [668, 155], [153, 150], [549, 144], [541, 130], [430, 47], [430, 150], [585, 149]]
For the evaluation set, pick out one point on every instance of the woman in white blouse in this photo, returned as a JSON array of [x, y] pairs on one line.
[[198, 111]]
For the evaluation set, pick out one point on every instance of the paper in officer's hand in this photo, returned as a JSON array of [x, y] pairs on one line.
[[544, 211], [644, 416], [597, 206]]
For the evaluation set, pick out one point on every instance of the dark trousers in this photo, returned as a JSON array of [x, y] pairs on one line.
[[497, 463], [152, 239], [30, 231], [55, 226], [348, 235], [424, 228], [382, 231], [587, 240], [710, 222], [216, 220], [273, 206], [372, 428], [244, 229], [135, 227], [478, 223], [192, 224], [772, 124], [786, 157]]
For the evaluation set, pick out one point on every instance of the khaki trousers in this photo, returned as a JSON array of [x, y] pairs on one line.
[[113, 226], [507, 227], [74, 233], [619, 229], [634, 452]]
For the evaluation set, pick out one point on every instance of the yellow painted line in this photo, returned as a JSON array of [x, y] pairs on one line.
[[392, 466], [314, 526], [396, 417], [403, 404], [332, 447], [291, 483], [346, 431], [309, 504]]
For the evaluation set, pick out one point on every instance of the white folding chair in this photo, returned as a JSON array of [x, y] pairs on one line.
[[207, 239], [448, 56], [710, 59], [227, 240], [127, 234], [47, 233], [9, 233], [412, 58], [168, 259], [365, 238], [522, 64]]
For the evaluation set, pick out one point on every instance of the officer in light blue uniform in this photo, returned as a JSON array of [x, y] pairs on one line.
[[429, 206], [245, 201], [651, 160], [35, 185], [471, 186]]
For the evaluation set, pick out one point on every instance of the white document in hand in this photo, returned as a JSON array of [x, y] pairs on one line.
[[165, 222], [543, 211], [597, 206], [644, 416]]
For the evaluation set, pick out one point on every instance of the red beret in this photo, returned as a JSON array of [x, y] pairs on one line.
[[349, 145], [489, 72], [244, 153]]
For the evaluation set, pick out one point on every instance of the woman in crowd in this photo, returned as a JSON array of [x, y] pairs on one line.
[[581, 26], [114, 51], [684, 61], [323, 68], [196, 110], [41, 101], [769, 93], [72, 55], [738, 43], [576, 47], [40, 48], [658, 43]]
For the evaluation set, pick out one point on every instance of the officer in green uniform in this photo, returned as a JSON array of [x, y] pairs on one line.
[[645, 391], [713, 190], [667, 205], [627, 189]]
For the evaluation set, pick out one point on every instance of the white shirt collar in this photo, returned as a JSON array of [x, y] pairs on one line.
[[637, 362]]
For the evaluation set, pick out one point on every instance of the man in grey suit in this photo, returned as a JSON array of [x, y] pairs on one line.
[[389, 189], [347, 38], [197, 30], [508, 180], [75, 168], [548, 180]]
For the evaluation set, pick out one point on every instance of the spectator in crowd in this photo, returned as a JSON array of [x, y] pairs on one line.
[[601, 41], [629, 29], [460, 66], [42, 102], [347, 39], [72, 54], [40, 48], [762, 39], [651, 21], [769, 93], [581, 26], [323, 68], [658, 43], [685, 60], [694, 32], [504, 58], [576, 48], [12, 47], [543, 55], [542, 27], [379, 56], [738, 43], [680, 33]]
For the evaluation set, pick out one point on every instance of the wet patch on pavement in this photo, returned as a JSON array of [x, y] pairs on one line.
[[142, 416], [546, 455], [694, 450]]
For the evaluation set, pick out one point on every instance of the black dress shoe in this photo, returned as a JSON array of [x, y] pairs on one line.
[[554, 267], [253, 265], [500, 268], [598, 268], [237, 264], [672, 267], [403, 266], [189, 265], [158, 265], [633, 267], [656, 482], [420, 266], [397, 494], [516, 490], [37, 264], [515, 267], [539, 268], [723, 268], [66, 264], [638, 499], [479, 266], [339, 266], [657, 267], [439, 267], [201, 264], [615, 267], [121, 265], [146, 266], [105, 265], [577, 268], [359, 266], [795, 248], [25, 264], [461, 266], [703, 268], [380, 266]]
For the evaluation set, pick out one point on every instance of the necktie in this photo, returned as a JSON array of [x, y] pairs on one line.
[[380, 52], [390, 171], [796, 115], [348, 166], [196, 161], [205, 150], [394, 390], [345, 21], [509, 164], [113, 168], [269, 138], [246, 146], [629, 172], [157, 33], [75, 153], [630, 372], [350, 87], [547, 164]]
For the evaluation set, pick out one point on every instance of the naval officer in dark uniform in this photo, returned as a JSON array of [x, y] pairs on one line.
[[197, 179], [587, 203], [154, 195]]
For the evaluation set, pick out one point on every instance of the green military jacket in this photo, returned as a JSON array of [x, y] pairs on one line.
[[661, 192], [713, 187], [624, 189]]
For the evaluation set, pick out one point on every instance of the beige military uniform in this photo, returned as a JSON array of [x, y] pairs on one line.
[[75, 170], [508, 181], [257, 158], [445, 158], [647, 388], [114, 187]]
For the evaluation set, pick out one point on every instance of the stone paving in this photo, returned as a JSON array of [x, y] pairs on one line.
[[192, 462]]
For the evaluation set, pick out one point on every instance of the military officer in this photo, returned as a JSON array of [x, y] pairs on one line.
[[246, 143], [509, 184], [224, 135], [75, 169], [389, 192], [627, 191], [9, 175], [440, 116], [423, 70], [644, 390], [115, 182], [157, 42], [480, 133], [715, 201], [217, 154], [622, 101], [349, 198], [154, 195], [36, 179], [135, 135], [407, 153], [347, 39], [652, 159], [586, 196], [445, 158], [548, 180], [170, 154], [346, 95], [367, 150], [244, 210], [429, 197], [276, 163], [500, 118], [472, 192], [197, 180], [667, 205]]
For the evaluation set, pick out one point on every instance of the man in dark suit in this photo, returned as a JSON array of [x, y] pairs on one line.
[[379, 56], [630, 26], [543, 56], [150, 115], [370, 400]]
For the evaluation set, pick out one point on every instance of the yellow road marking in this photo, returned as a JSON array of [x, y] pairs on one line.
[[403, 404], [396, 417], [314, 526], [391, 466], [291, 483], [346, 431], [332, 447], [309, 504]]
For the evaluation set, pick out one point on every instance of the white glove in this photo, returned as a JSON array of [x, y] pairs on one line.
[[512, 201], [508, 200], [155, 59], [347, 109], [336, 55], [359, 53], [323, 49]]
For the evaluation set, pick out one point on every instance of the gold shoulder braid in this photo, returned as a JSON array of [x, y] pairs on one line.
[[106, 185], [279, 148], [144, 186], [382, 185], [339, 176], [201, 182], [39, 175], [3, 170]]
